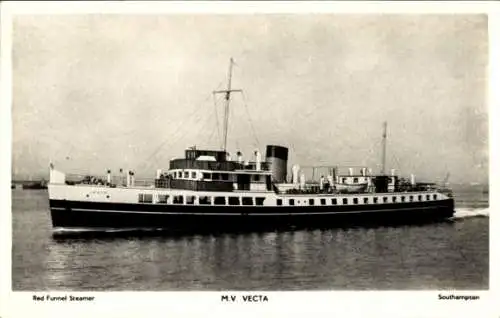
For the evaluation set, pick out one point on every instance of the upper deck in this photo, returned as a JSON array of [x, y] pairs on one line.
[[215, 160], [183, 163]]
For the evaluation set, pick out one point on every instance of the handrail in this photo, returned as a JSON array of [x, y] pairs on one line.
[[116, 181]]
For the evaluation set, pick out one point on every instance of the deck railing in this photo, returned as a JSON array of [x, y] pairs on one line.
[[102, 180]]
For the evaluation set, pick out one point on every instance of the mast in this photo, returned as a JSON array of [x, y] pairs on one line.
[[227, 93], [384, 144]]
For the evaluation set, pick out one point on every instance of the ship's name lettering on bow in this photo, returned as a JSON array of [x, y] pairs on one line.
[[98, 192]]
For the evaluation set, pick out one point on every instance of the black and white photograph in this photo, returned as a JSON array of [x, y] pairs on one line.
[[236, 152]]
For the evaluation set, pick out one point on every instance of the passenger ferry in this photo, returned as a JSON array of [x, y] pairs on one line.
[[207, 190]]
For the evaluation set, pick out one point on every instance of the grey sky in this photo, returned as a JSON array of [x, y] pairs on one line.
[[93, 92]]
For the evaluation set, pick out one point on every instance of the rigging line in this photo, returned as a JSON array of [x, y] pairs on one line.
[[169, 138], [250, 119], [197, 119], [216, 127], [209, 141], [162, 144], [216, 119], [181, 124], [148, 164], [178, 136], [202, 126]]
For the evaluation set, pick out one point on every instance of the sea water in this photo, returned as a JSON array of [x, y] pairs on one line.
[[449, 255]]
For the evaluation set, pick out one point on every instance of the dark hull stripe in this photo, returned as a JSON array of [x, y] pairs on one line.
[[181, 208], [75, 214], [236, 213]]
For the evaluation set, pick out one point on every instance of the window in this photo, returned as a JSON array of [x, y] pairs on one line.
[[344, 180], [355, 180], [256, 177], [375, 200], [193, 174], [279, 202], [234, 201], [355, 200], [145, 198], [224, 176], [419, 197], [323, 201], [365, 200], [206, 175], [344, 201], [291, 202], [246, 201], [403, 199], [411, 198], [334, 201], [220, 201], [186, 174], [162, 198], [204, 200], [427, 197], [179, 199], [190, 199], [215, 176], [384, 199], [311, 201], [435, 196], [259, 201], [393, 199]]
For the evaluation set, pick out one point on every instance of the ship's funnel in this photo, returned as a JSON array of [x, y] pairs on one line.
[[109, 176], [277, 159], [158, 174], [350, 171], [412, 179], [393, 172], [239, 157]]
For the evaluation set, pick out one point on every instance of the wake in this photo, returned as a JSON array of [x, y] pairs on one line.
[[463, 213]]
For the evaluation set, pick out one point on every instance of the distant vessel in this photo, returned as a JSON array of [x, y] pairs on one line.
[[208, 191], [35, 185], [29, 185]]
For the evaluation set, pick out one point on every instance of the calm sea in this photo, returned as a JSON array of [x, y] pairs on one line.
[[452, 255]]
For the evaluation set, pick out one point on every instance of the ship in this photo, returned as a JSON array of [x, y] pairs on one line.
[[210, 190]]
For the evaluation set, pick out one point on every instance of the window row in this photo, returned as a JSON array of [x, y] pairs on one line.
[[193, 175], [233, 200], [201, 200], [375, 200]]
